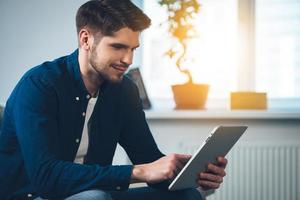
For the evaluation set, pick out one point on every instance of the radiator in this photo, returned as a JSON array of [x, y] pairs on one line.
[[259, 172]]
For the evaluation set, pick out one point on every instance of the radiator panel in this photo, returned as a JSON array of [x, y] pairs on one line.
[[259, 172]]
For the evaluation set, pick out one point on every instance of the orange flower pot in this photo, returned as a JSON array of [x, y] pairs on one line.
[[190, 95]]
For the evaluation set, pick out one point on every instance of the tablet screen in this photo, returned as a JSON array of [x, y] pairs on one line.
[[218, 143]]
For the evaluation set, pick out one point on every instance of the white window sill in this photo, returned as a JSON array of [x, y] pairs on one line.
[[222, 114], [219, 109]]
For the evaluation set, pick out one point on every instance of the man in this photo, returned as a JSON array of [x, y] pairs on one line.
[[58, 106]]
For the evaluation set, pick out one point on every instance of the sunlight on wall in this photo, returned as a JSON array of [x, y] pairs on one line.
[[212, 56]]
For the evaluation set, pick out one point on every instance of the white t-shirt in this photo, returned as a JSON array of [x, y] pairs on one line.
[[84, 143]]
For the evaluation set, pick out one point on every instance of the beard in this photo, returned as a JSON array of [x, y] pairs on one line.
[[105, 72]]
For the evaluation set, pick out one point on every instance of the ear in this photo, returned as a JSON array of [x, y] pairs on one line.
[[85, 39]]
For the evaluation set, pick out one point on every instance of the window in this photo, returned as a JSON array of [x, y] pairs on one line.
[[278, 47], [242, 45], [212, 56]]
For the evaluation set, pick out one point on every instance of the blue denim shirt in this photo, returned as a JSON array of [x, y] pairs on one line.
[[42, 127]]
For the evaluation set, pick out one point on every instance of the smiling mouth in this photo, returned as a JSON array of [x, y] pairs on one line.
[[120, 68]]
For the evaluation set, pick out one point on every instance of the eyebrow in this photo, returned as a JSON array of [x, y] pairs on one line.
[[123, 45]]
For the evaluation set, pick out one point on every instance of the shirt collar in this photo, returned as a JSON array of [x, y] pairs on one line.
[[74, 70]]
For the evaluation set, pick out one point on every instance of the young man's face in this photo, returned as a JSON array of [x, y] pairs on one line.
[[112, 56]]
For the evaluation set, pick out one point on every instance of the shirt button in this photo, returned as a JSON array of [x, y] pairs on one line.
[[77, 98], [83, 114], [88, 96], [29, 195], [77, 140], [118, 188]]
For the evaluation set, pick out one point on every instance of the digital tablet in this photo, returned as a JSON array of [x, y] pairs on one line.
[[218, 143]]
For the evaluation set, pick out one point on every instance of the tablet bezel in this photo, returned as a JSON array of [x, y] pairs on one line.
[[221, 140]]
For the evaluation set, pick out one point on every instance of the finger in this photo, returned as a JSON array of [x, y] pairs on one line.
[[176, 162], [179, 165], [183, 161], [216, 170], [208, 184], [170, 172], [210, 177], [176, 171], [222, 162], [175, 168], [183, 157]]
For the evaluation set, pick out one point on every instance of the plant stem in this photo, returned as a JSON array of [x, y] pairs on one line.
[[179, 62]]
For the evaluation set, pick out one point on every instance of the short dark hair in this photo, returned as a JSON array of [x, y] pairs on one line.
[[109, 16]]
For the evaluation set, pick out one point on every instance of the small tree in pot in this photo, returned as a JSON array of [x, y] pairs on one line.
[[180, 15]]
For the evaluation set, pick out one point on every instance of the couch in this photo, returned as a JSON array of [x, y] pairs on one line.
[[1, 116]]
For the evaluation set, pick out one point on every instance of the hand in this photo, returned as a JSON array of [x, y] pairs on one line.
[[213, 177], [165, 168]]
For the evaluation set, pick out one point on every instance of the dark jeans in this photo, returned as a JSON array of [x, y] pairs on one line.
[[144, 193]]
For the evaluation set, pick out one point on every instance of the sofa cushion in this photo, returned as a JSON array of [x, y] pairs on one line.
[[1, 116]]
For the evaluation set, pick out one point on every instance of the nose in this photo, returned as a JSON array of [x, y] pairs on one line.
[[127, 58]]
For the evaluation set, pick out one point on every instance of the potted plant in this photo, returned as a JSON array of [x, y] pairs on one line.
[[180, 14]]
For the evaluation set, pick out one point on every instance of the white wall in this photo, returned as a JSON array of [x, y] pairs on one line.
[[32, 32], [171, 133]]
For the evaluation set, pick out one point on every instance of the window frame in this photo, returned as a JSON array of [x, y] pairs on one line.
[[246, 60]]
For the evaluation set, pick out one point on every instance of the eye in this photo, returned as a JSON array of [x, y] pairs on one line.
[[118, 46]]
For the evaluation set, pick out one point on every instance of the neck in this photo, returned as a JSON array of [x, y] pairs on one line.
[[89, 75]]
